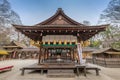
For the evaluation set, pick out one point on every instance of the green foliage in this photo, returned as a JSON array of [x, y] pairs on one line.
[[95, 43], [116, 45]]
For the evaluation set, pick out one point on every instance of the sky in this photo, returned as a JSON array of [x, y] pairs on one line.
[[32, 12]]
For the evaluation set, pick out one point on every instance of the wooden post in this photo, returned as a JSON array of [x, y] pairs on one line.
[[70, 54], [97, 72], [47, 53], [84, 70], [105, 61], [44, 53], [66, 54], [73, 55], [78, 41], [23, 70], [40, 54], [78, 72]]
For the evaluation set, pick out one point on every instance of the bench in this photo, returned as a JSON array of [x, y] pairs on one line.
[[93, 68], [7, 68]]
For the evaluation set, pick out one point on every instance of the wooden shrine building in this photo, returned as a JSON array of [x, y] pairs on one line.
[[108, 57], [107, 53], [59, 34], [58, 37], [19, 50], [12, 48]]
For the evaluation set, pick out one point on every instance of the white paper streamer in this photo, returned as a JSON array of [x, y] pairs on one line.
[[80, 52]]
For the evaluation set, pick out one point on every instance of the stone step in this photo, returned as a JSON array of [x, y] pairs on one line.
[[69, 75], [60, 73]]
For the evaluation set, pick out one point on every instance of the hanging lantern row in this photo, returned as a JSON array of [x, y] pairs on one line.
[[37, 43], [59, 42]]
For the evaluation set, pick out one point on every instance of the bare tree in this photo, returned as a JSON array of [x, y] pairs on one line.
[[111, 15]]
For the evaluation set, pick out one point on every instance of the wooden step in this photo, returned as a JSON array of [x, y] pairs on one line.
[[60, 73]]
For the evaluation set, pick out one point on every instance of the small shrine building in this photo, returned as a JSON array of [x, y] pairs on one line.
[[58, 37]]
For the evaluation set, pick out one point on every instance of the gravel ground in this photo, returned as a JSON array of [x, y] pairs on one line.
[[14, 74]]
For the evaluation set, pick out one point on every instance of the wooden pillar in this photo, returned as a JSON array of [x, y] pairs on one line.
[[40, 54], [78, 41], [44, 53], [66, 53], [47, 53], [73, 55], [105, 61]]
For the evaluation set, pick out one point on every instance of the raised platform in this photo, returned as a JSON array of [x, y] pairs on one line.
[[61, 67]]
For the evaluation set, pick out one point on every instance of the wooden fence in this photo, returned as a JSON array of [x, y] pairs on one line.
[[106, 62]]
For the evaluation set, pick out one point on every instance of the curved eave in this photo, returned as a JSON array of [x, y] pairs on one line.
[[60, 26], [34, 32]]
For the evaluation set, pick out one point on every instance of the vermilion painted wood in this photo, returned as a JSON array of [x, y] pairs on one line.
[[6, 68]]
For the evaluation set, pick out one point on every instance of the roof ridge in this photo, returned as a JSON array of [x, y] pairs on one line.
[[59, 11]]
